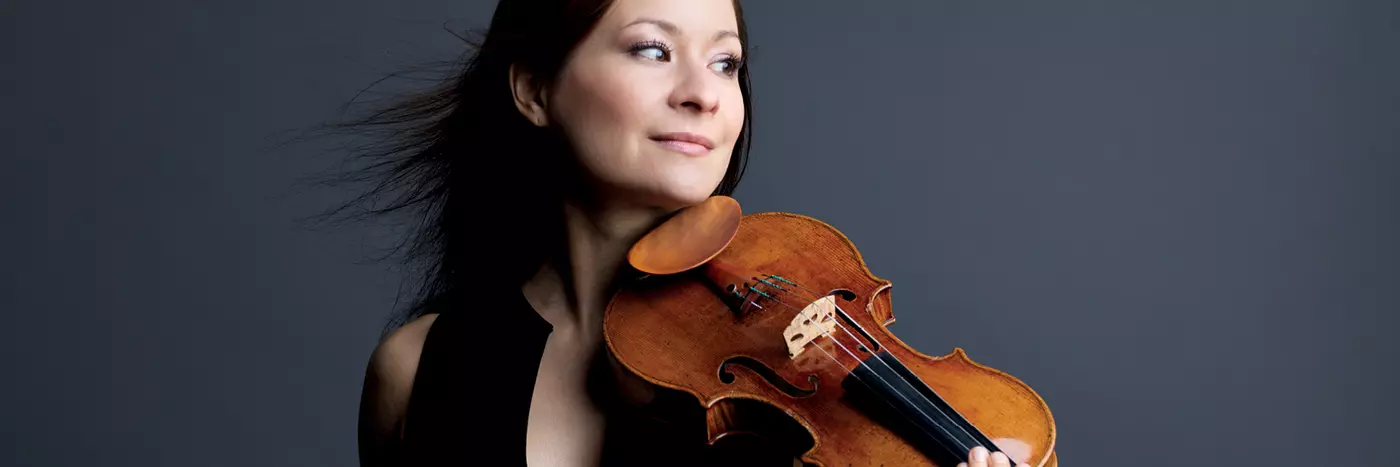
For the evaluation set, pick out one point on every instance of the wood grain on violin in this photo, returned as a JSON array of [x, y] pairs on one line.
[[777, 327]]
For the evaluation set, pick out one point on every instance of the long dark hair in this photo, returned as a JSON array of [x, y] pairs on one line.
[[477, 183]]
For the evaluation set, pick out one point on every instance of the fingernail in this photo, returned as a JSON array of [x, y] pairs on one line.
[[979, 454]]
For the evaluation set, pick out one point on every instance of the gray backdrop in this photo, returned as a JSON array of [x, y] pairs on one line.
[[1175, 220]]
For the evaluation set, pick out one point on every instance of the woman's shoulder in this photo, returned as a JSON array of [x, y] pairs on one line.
[[439, 331], [397, 354], [388, 385]]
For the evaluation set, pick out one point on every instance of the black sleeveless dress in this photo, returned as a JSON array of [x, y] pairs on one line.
[[470, 402]]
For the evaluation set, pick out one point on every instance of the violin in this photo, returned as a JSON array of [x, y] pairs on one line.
[[777, 327]]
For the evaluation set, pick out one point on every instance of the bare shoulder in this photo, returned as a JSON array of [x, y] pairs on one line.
[[387, 387], [395, 359]]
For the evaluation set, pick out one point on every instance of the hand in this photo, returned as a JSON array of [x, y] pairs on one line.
[[979, 457]]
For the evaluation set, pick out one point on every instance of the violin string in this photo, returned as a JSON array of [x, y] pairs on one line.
[[813, 294], [876, 375], [858, 360], [857, 376]]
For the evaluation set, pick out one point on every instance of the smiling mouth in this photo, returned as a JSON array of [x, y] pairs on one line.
[[686, 143], [684, 147]]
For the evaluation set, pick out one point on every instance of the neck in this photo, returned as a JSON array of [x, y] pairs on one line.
[[573, 286]]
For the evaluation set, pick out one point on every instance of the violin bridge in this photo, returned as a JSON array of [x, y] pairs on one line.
[[816, 319]]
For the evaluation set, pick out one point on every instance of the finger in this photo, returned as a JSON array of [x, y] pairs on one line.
[[999, 459], [977, 457], [962, 464]]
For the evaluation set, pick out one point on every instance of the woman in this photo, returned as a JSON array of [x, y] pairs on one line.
[[576, 127]]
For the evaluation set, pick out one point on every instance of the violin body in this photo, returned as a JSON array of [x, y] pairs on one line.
[[782, 331]]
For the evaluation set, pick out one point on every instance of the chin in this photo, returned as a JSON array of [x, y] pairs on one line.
[[680, 195], [675, 202]]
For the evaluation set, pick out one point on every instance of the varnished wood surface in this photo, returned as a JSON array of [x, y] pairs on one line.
[[675, 332], [688, 239]]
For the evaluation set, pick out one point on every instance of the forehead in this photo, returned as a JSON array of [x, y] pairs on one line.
[[700, 18]]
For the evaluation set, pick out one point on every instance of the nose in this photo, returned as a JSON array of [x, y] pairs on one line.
[[696, 90]]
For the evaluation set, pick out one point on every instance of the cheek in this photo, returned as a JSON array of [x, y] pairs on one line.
[[734, 119], [600, 106]]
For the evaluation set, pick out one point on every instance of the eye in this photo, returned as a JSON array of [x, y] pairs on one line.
[[729, 66], [652, 50]]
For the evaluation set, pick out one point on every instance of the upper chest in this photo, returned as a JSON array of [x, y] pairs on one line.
[[565, 423], [578, 390]]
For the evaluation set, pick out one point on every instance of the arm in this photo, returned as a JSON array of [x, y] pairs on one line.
[[387, 386]]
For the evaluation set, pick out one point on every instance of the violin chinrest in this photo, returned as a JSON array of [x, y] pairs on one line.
[[688, 239]]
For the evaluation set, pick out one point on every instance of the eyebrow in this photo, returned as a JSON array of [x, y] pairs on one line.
[[671, 28]]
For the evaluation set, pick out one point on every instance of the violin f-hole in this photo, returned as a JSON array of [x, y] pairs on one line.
[[870, 345], [767, 374], [843, 294]]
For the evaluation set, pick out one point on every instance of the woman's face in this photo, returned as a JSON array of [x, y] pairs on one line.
[[650, 100]]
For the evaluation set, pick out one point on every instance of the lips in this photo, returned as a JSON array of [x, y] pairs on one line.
[[688, 143]]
